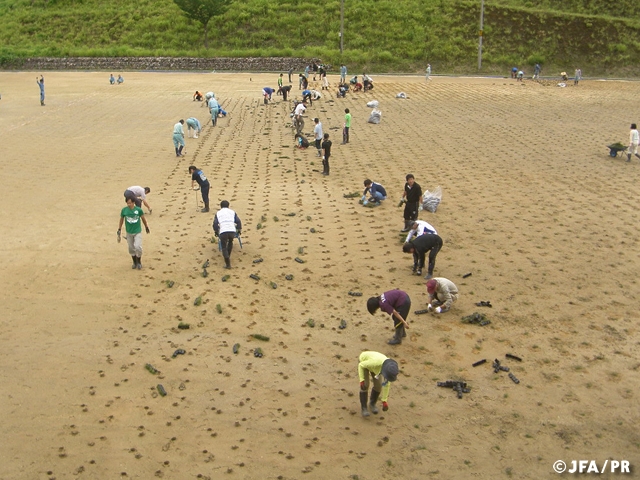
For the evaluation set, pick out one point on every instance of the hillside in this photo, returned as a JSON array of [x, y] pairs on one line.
[[600, 36]]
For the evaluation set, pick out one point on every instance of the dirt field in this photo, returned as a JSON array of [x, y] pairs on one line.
[[533, 207]]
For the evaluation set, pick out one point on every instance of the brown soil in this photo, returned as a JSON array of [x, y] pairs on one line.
[[532, 206]]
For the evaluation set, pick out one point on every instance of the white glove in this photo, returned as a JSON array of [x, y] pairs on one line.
[[323, 157], [429, 307], [438, 309]]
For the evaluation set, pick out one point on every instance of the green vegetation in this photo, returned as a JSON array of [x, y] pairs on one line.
[[599, 36], [203, 11]]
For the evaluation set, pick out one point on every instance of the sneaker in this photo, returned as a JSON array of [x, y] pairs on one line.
[[365, 412], [134, 266], [419, 271], [139, 266], [428, 276]]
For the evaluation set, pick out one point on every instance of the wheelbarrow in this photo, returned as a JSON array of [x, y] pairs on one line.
[[616, 148]]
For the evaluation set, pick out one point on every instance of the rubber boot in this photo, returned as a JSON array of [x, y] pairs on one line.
[[363, 404], [628, 157], [177, 153], [206, 208], [139, 263], [430, 271], [373, 400], [407, 225], [227, 262], [180, 150], [135, 262], [637, 155], [397, 337]]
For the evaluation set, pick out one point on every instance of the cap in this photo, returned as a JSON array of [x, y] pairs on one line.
[[390, 369], [431, 285]]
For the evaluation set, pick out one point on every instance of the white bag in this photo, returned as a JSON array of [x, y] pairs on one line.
[[431, 200], [375, 116], [373, 104]]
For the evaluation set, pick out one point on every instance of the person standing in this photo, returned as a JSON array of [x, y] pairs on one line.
[[377, 191], [577, 76], [536, 71], [442, 293], [40, 83], [326, 153], [371, 367], [290, 73], [428, 71], [634, 140], [325, 80], [193, 124], [420, 246], [178, 137], [214, 109], [317, 135], [343, 73], [397, 304], [412, 196], [279, 82], [226, 225], [198, 176], [138, 195], [347, 126], [134, 217]]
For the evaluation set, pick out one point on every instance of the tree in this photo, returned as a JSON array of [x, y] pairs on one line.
[[203, 11]]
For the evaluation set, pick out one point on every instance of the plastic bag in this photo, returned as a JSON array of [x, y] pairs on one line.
[[431, 200], [373, 104], [375, 116]]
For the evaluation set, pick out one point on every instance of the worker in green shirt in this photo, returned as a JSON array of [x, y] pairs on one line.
[[133, 218], [347, 126]]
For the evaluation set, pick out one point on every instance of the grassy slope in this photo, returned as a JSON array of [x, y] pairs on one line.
[[381, 35]]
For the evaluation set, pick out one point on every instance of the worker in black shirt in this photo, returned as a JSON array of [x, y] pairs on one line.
[[420, 246], [284, 91], [412, 196], [326, 153]]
